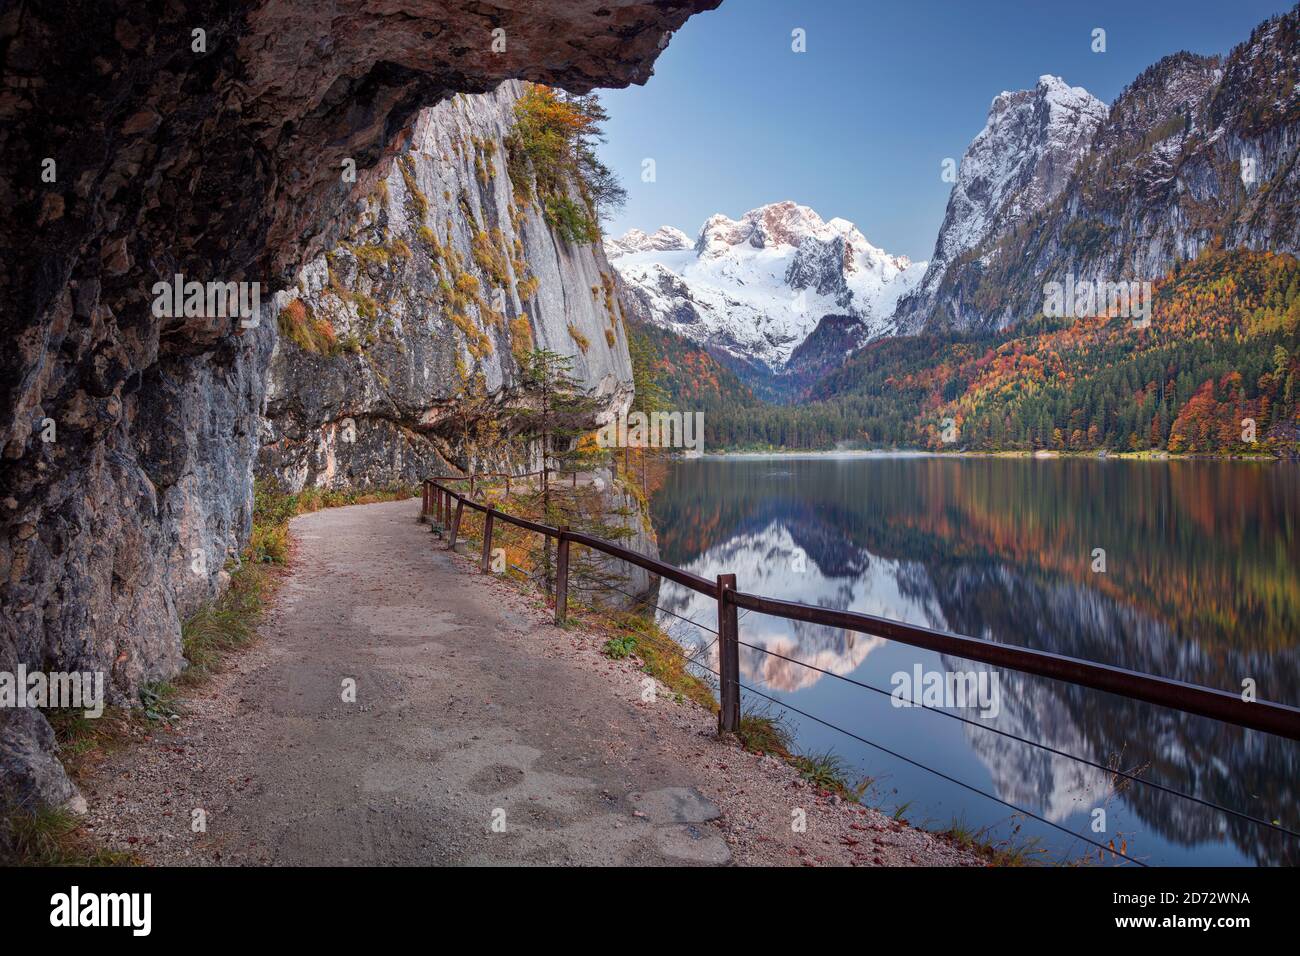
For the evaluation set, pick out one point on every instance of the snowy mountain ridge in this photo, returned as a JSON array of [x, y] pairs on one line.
[[754, 289], [663, 239]]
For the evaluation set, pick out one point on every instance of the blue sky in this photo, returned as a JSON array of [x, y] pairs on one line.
[[859, 125]]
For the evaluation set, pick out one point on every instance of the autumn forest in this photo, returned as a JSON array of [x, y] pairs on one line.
[[1214, 373]]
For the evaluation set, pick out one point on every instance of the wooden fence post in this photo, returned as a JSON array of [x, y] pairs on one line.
[[728, 657], [455, 524], [424, 501], [442, 518], [487, 541], [562, 576]]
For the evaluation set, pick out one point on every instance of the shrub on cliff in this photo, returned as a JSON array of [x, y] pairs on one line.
[[311, 333], [550, 153]]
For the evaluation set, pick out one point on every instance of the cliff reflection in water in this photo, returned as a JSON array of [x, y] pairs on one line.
[[1199, 586]]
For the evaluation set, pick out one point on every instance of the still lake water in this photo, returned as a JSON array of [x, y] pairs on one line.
[[1200, 584]]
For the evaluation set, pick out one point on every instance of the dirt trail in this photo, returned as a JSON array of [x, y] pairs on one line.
[[470, 709]]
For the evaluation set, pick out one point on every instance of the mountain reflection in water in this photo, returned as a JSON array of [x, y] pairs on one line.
[[1199, 586]]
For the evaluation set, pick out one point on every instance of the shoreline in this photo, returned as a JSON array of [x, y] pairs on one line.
[[1032, 455]]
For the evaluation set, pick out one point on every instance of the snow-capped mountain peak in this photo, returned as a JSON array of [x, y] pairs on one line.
[[776, 224], [1020, 160], [663, 239], [756, 287]]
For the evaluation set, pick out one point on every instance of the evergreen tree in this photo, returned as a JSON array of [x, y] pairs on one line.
[[558, 421]]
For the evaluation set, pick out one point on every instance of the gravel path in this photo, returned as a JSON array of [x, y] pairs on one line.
[[480, 733]]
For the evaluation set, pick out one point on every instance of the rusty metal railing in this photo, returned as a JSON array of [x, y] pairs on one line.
[[1273, 718]]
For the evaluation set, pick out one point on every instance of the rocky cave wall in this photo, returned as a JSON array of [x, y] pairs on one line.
[[203, 139]]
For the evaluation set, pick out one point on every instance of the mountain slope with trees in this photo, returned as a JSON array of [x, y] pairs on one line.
[[1223, 346]]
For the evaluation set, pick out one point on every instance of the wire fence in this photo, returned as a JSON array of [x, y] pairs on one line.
[[1283, 719], [694, 658]]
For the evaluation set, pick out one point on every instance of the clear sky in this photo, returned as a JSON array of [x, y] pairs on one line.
[[859, 125]]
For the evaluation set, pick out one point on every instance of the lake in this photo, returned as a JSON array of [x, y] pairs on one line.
[[1183, 569]]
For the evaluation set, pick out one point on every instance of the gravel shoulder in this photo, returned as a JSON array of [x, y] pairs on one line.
[[480, 733]]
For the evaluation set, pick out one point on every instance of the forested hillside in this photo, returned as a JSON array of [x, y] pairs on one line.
[[691, 379], [1223, 345]]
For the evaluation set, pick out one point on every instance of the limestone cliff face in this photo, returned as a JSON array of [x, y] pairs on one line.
[[443, 275], [204, 139]]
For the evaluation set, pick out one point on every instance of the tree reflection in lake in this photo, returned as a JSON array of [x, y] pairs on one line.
[[1199, 585]]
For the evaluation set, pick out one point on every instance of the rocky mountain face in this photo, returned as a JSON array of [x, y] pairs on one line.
[[210, 141], [1018, 163], [1197, 151], [444, 275], [753, 290]]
